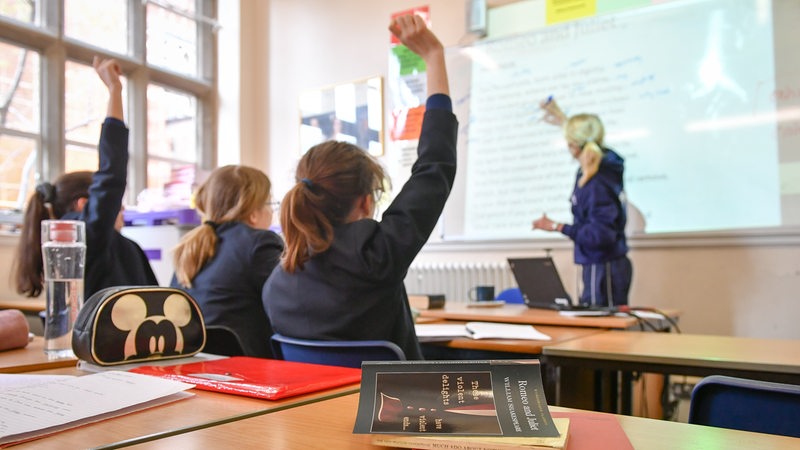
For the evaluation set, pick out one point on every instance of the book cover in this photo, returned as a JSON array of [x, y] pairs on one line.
[[477, 442], [269, 379], [464, 398], [426, 301]]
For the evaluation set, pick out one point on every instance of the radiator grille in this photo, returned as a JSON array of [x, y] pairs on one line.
[[454, 280]]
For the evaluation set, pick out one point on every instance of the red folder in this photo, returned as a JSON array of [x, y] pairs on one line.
[[269, 379]]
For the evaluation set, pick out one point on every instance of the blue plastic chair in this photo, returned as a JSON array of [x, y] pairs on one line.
[[335, 353], [747, 405], [511, 295]]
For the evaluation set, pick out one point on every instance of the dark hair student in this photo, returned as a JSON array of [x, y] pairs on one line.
[[224, 262], [341, 275], [95, 198]]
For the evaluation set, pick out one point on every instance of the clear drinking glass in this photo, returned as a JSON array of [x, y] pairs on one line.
[[64, 257]]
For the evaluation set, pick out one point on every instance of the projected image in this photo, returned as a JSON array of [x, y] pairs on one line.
[[691, 108]]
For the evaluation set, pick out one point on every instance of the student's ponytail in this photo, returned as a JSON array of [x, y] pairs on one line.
[[305, 227], [28, 265], [49, 201], [194, 250]]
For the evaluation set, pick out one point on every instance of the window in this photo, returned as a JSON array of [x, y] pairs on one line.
[[22, 10], [19, 122], [98, 23], [52, 104], [172, 36]]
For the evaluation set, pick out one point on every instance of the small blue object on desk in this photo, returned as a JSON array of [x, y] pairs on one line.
[[184, 216]]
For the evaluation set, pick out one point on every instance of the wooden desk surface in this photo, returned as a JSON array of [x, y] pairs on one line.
[[31, 358], [706, 351], [28, 305], [329, 425], [530, 347], [516, 313], [204, 409]]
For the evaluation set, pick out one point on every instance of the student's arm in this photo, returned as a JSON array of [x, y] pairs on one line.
[[414, 34], [110, 179], [109, 72], [408, 222]]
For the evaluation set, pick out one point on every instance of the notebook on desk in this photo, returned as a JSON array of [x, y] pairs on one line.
[[541, 286], [270, 379]]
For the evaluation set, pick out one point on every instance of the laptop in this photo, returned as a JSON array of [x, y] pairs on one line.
[[541, 286]]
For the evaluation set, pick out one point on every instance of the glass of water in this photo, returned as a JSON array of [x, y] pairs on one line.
[[64, 258]]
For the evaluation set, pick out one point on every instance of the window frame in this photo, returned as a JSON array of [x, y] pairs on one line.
[[46, 36]]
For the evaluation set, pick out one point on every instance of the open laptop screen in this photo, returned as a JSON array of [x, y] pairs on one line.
[[540, 283]]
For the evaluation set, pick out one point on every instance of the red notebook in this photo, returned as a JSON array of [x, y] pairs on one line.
[[269, 379]]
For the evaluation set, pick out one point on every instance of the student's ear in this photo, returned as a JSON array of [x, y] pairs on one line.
[[363, 209], [80, 203]]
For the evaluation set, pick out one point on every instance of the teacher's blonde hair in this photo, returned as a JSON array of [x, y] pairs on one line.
[[584, 129]]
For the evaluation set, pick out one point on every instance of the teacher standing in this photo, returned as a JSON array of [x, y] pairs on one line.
[[598, 210]]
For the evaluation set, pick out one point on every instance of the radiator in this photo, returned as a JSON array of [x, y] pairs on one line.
[[454, 280]]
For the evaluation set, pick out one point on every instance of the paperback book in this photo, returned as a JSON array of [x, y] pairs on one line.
[[425, 442], [455, 398]]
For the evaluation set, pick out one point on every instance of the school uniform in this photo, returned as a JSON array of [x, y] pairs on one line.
[[111, 258], [598, 231], [354, 290], [228, 287]]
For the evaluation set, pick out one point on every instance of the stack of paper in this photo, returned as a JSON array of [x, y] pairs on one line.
[[29, 411], [478, 330]]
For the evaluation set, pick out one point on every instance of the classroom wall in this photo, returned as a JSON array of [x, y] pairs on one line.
[[748, 288]]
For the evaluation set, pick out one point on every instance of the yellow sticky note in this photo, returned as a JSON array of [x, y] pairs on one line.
[[564, 10]]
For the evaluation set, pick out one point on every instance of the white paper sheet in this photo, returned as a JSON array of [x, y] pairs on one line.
[[43, 408]]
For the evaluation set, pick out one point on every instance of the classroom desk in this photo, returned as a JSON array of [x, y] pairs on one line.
[[329, 425], [526, 347], [26, 305], [203, 410], [31, 358], [516, 313], [775, 360]]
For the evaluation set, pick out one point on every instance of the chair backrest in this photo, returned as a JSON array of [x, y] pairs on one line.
[[335, 353], [511, 295], [221, 340], [748, 405]]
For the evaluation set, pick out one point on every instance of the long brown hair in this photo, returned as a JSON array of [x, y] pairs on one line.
[[49, 201], [330, 178], [231, 193]]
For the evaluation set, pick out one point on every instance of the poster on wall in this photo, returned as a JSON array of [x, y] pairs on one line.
[[407, 85], [350, 112]]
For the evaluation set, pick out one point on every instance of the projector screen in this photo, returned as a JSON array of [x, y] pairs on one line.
[[701, 98]]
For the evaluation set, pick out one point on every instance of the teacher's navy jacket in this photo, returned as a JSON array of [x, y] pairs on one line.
[[598, 227]]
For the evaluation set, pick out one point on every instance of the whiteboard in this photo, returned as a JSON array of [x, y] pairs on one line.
[[701, 98]]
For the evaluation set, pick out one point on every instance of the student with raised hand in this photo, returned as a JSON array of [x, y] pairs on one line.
[[341, 275], [224, 262], [598, 210], [96, 199]]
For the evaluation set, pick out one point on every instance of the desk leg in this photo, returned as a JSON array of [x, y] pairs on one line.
[[599, 389], [557, 389], [626, 396]]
